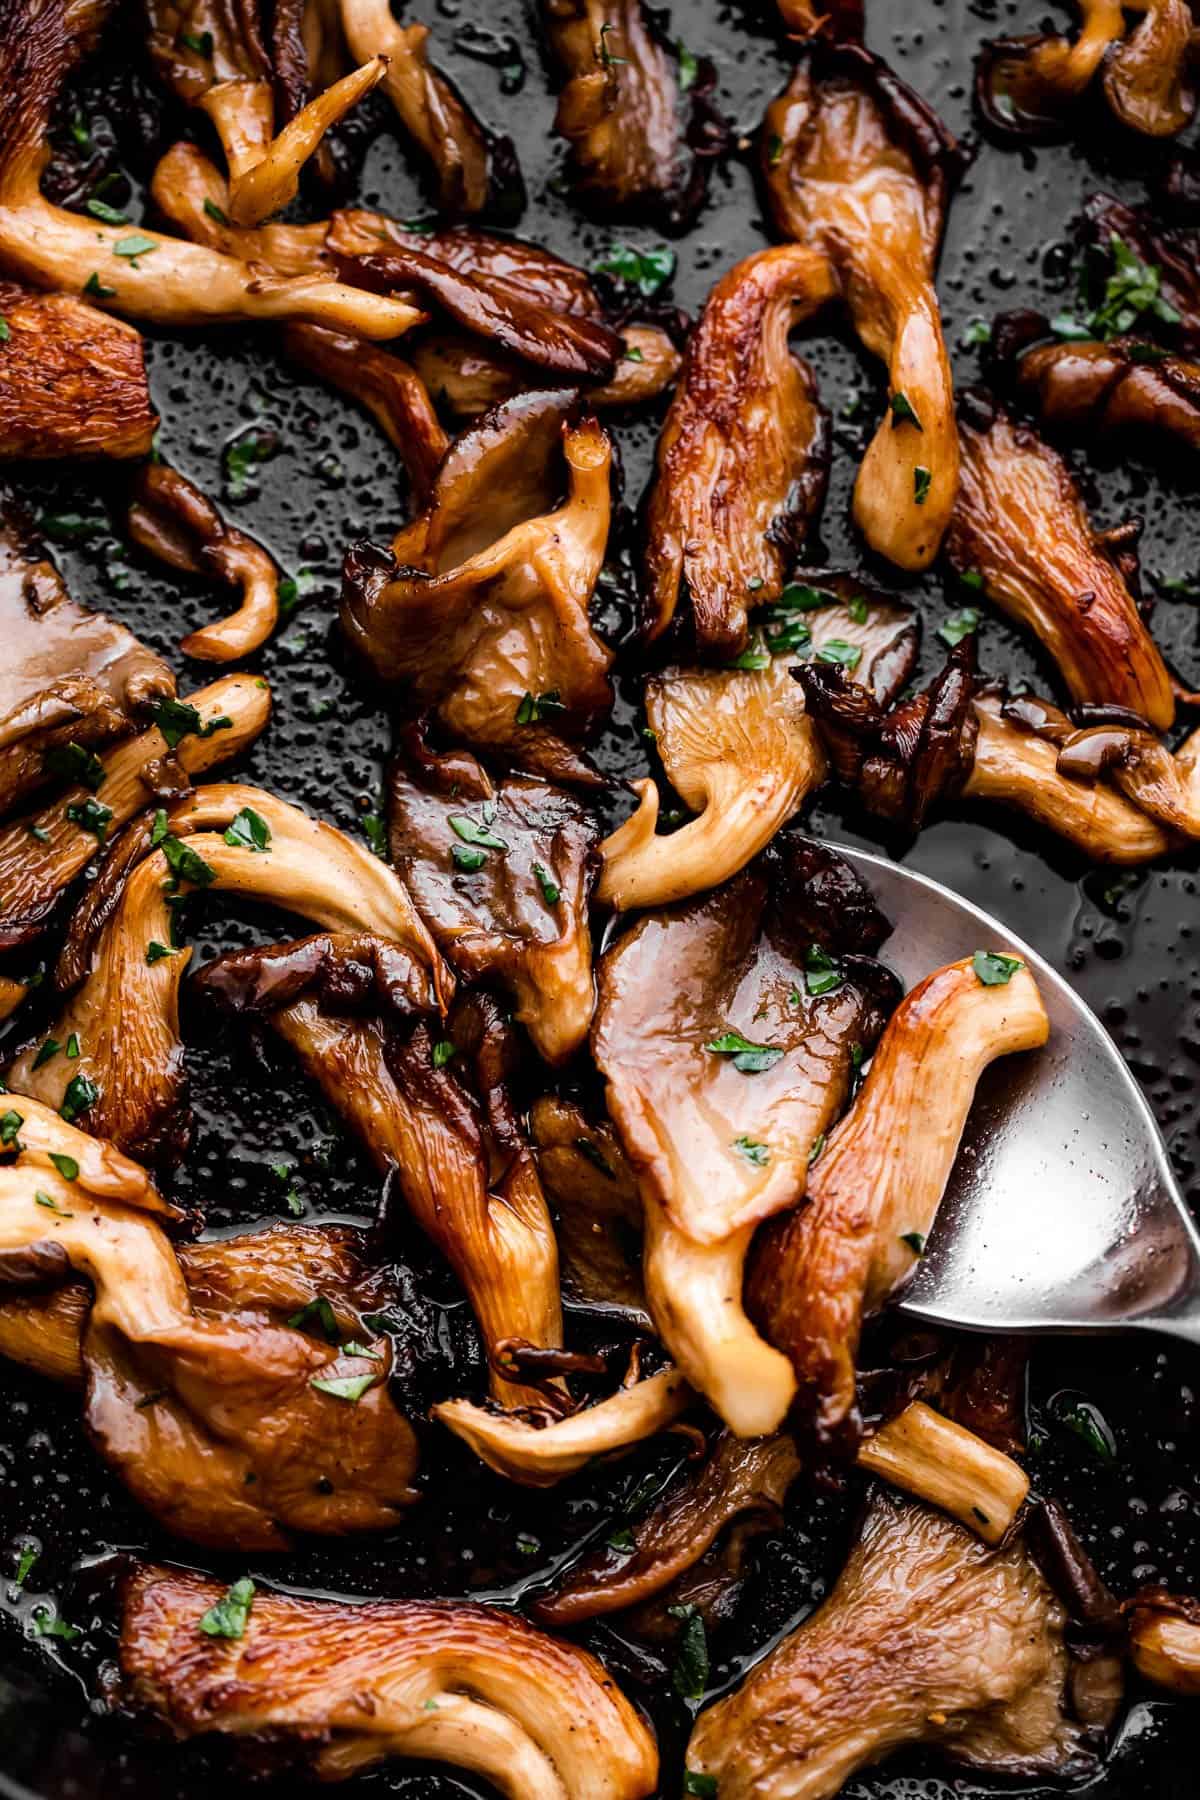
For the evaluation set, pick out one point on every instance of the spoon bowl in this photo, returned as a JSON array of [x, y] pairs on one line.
[[1062, 1213]]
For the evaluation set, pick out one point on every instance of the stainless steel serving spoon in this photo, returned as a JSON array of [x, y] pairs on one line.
[[1062, 1213]]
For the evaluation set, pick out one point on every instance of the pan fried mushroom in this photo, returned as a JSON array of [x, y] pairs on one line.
[[1020, 527], [214, 58], [874, 1191], [352, 1684], [1169, 256], [737, 747], [940, 1461], [42, 854], [230, 1428], [539, 1452], [597, 1208], [191, 191], [1164, 1640], [928, 1637], [637, 141], [72, 381], [389, 388], [1081, 390], [129, 1075], [480, 613], [175, 522], [738, 1480], [1029, 87], [502, 875], [469, 379], [470, 167], [858, 168], [743, 456], [71, 679], [436, 1110], [725, 1030], [138, 272]]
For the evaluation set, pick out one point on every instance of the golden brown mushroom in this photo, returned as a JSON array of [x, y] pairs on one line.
[[1164, 1640], [71, 679], [736, 744], [352, 1684], [743, 456], [858, 168], [470, 379], [72, 380], [875, 1189], [1027, 87], [928, 1637], [1082, 390], [1148, 79], [482, 607], [138, 272], [1021, 529], [43, 853]]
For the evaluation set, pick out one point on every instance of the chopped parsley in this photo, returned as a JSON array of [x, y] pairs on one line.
[[689, 68], [605, 55], [550, 891], [27, 1559], [316, 1312], [133, 247], [48, 1624], [533, 708], [75, 763], [80, 1096], [376, 833], [67, 1167], [91, 815], [922, 482], [975, 333], [1088, 1423], [469, 860], [51, 1204], [47, 1053], [177, 720], [73, 1046], [774, 149], [993, 969], [818, 1144], [704, 1787], [1132, 291], [471, 831], [249, 831], [10, 1124], [959, 625], [230, 1616], [242, 455], [443, 1051], [350, 1388], [201, 42], [837, 650], [748, 1058], [184, 863], [633, 354], [108, 215], [822, 972], [5, 330], [903, 411], [858, 609], [39, 832], [689, 1677], [755, 1153], [214, 212], [622, 1539], [156, 952], [915, 1241], [96, 289], [647, 270]]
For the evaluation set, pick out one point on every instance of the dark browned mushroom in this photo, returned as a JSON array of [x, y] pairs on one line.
[[1083, 390], [72, 380]]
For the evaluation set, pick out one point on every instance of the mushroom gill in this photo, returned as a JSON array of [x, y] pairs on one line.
[[743, 456], [875, 1189], [72, 381], [857, 167], [351, 1684]]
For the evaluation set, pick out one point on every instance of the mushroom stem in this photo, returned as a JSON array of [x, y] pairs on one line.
[[1165, 1647], [930, 1456]]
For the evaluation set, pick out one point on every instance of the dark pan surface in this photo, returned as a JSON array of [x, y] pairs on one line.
[[1127, 942]]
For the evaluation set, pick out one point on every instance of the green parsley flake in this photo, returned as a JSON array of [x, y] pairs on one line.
[[748, 1058], [903, 411], [993, 969], [177, 720], [67, 1167], [80, 1096], [10, 1124], [472, 832], [647, 270], [922, 482], [822, 973], [132, 247], [755, 1153], [156, 952], [959, 625], [837, 650], [350, 1388], [914, 1240], [316, 1312], [550, 891], [443, 1051], [47, 1053], [249, 831], [230, 1616], [73, 762], [689, 1677], [92, 816]]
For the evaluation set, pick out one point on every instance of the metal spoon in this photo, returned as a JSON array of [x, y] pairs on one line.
[[1062, 1213]]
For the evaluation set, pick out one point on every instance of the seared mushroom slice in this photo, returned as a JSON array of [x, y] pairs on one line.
[[538, 1451], [190, 190], [875, 1189], [470, 166], [727, 1032], [502, 875], [1028, 87], [123, 975], [72, 381], [738, 1480], [744, 453], [174, 521], [1164, 1639], [637, 142], [940, 1461], [42, 854], [70, 679], [434, 1108], [469, 379], [353, 1683], [234, 1430], [928, 1637], [736, 744], [226, 70], [481, 610], [1089, 389], [1148, 80], [138, 272], [858, 167], [598, 1211], [1020, 526], [388, 387]]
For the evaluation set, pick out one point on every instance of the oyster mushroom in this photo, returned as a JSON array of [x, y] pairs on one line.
[[502, 874], [175, 522], [232, 1429], [470, 379], [141, 273], [469, 166], [1020, 527], [743, 456], [481, 610], [1148, 79], [597, 1209], [389, 388], [636, 141], [1027, 87], [724, 1031], [737, 1481], [736, 744], [1084, 390], [72, 381], [123, 1012], [858, 168], [215, 58], [191, 192], [874, 1191], [1169, 255], [355, 1683], [71, 679], [434, 1112], [928, 1637], [940, 1461], [42, 854], [1164, 1640]]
